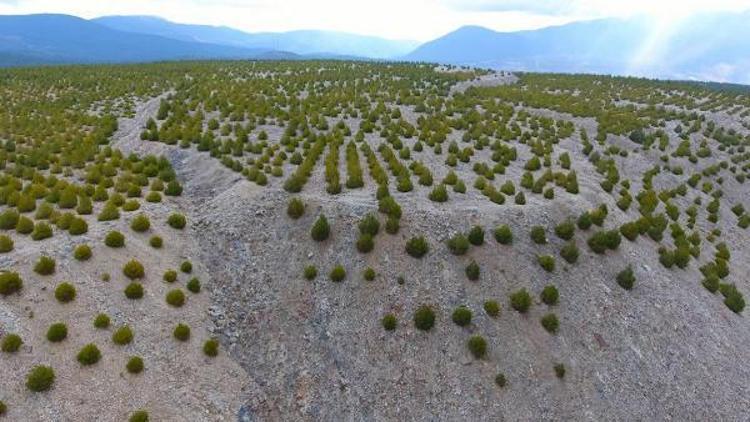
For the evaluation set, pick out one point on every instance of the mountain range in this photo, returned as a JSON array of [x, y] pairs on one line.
[[706, 47]]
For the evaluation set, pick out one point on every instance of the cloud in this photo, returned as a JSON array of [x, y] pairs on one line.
[[543, 7]]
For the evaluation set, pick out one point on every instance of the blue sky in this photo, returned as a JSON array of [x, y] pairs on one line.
[[418, 20]]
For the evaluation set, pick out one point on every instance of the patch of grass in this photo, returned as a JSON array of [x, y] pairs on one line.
[[417, 247], [462, 316], [476, 236], [565, 230], [41, 231], [45, 266], [310, 272], [600, 241], [139, 416], [211, 348], [11, 343], [134, 365], [520, 300], [175, 298], [550, 323], [101, 321], [140, 223], [477, 346], [10, 283], [503, 234], [134, 291], [57, 332], [320, 229], [369, 274], [538, 235], [365, 243], [424, 318], [296, 208], [626, 278], [133, 270], [549, 295], [114, 239], [89, 355], [177, 221], [40, 378], [181, 332], [389, 322], [492, 308], [570, 252], [560, 370], [82, 253], [458, 244], [6, 244], [65, 292], [369, 225], [122, 336], [547, 262], [337, 274]]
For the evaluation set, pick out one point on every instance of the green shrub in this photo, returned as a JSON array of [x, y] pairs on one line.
[[503, 235], [472, 271], [82, 252], [11, 343], [600, 241], [584, 221], [500, 380], [153, 197], [547, 262], [550, 323], [211, 348], [369, 225], [131, 205], [520, 300], [337, 274], [630, 230], [134, 291], [122, 336], [78, 226], [10, 283], [139, 416], [170, 276], [462, 316], [109, 213], [181, 332], [114, 239], [133, 270], [538, 236], [476, 236], [89, 354], [565, 230], [365, 243], [458, 244], [6, 244], [492, 308], [550, 295], [134, 365], [424, 318], [57, 332], [296, 208], [570, 252], [369, 274], [175, 298], [40, 378], [310, 272], [186, 267], [101, 321], [392, 225], [560, 370], [65, 292], [3, 408], [45, 266], [140, 223], [389, 322], [438, 194], [711, 283], [177, 221], [194, 285], [25, 225], [41, 231], [320, 229], [9, 219], [477, 346], [626, 279], [156, 242], [417, 247]]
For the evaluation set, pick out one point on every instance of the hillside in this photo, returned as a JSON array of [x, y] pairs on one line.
[[329, 240]]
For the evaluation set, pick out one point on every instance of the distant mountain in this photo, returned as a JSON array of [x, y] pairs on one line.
[[306, 42], [46, 38], [708, 46]]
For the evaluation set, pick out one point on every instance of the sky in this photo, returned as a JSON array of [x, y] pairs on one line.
[[418, 20]]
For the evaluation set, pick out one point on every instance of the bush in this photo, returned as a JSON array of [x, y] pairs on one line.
[[310, 272], [550, 295], [89, 354], [477, 346], [500, 380], [134, 291], [630, 231], [462, 316], [101, 321], [175, 298], [389, 322], [365, 243], [560, 370], [565, 230], [550, 323], [9, 219], [296, 208], [114, 239], [458, 244], [57, 332], [476, 236], [211, 348], [584, 221], [538, 235], [78, 226], [177, 221], [570, 252], [170, 276], [369, 225], [40, 378], [472, 271], [140, 223], [156, 242], [186, 267], [492, 308], [181, 332], [41, 231], [424, 318], [6, 244], [82, 252], [3, 408], [134, 365], [194, 285], [626, 279], [369, 274], [133, 270], [65, 292], [11, 343], [547, 262], [45, 266], [503, 235], [600, 241], [25, 225], [417, 247], [109, 213], [320, 230], [520, 300], [392, 225], [10, 283], [438, 194], [337, 274], [139, 416], [122, 336]]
